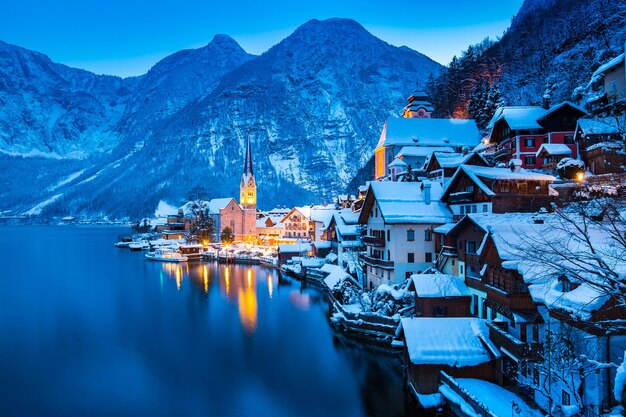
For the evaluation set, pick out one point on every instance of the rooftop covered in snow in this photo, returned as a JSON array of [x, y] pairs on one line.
[[526, 117], [400, 131], [451, 341], [438, 286]]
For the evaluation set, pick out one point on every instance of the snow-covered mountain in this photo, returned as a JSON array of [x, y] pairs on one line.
[[313, 106]]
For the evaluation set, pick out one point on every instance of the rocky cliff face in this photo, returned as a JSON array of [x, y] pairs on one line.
[[313, 106]]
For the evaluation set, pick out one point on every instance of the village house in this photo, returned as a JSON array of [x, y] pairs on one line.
[[320, 219], [441, 166], [415, 136], [297, 223], [400, 217], [601, 143], [440, 295], [458, 346], [518, 132], [344, 233], [478, 189], [269, 228], [609, 81]]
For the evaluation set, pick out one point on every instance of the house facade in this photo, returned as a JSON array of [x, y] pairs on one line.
[[400, 218], [519, 132]]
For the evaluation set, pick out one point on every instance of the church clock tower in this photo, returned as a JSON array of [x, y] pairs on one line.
[[247, 197]]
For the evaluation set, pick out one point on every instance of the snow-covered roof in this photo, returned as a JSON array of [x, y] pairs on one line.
[[452, 341], [399, 131], [526, 117], [294, 248], [612, 63], [607, 126], [216, 204], [477, 172], [554, 149], [492, 397], [422, 151], [336, 275], [323, 216], [405, 202], [454, 160], [397, 162], [444, 228], [439, 286]]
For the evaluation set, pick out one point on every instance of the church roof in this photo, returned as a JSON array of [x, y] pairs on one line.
[[247, 166], [429, 132]]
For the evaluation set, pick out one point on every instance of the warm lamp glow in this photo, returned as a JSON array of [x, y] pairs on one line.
[[580, 176]]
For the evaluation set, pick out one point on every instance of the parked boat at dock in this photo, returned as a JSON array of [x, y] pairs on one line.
[[166, 255]]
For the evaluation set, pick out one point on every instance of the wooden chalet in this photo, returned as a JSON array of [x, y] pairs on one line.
[[601, 145], [442, 166], [440, 295], [477, 189]]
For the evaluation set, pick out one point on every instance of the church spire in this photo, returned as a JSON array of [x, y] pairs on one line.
[[247, 167]]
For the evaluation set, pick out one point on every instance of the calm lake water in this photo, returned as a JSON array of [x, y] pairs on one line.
[[87, 329]]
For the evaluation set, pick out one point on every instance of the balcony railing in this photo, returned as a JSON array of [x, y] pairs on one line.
[[531, 351], [374, 241], [375, 261]]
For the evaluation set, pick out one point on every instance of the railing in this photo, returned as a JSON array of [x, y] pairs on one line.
[[376, 262], [530, 351], [444, 253], [501, 151], [374, 241]]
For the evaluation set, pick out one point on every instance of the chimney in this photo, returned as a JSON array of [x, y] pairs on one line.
[[426, 191], [545, 101], [465, 150], [515, 165]]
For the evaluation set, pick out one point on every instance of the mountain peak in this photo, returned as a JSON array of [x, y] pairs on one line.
[[332, 25], [222, 39]]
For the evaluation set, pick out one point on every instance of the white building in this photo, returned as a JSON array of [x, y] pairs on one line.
[[400, 217]]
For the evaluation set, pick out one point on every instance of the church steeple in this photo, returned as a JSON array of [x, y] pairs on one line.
[[247, 187]]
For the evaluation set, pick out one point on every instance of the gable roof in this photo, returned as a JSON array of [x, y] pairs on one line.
[[452, 341], [400, 131], [453, 160], [527, 117], [554, 149], [605, 126], [612, 63], [405, 203], [475, 173], [439, 286]]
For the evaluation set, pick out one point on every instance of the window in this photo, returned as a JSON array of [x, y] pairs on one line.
[[410, 235], [475, 305], [522, 187], [469, 189], [565, 398], [461, 269], [485, 208], [529, 160], [428, 257], [376, 212], [411, 257], [468, 209], [473, 209], [470, 246], [440, 311], [462, 209], [569, 139], [530, 142], [407, 275], [428, 235], [388, 235]]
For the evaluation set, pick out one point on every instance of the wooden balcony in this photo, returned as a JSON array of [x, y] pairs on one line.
[[529, 351], [511, 301], [460, 197], [376, 262], [378, 242]]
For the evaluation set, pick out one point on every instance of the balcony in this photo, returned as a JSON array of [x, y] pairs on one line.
[[509, 301], [374, 241], [530, 351], [376, 262], [461, 197], [501, 151]]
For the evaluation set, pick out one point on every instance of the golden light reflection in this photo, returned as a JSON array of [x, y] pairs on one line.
[[249, 277], [227, 281], [248, 309], [179, 277], [270, 285], [206, 280]]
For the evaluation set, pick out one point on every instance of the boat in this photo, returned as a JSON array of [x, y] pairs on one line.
[[138, 245], [166, 255], [124, 242], [192, 252]]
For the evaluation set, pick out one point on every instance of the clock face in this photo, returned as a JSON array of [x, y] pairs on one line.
[[421, 113]]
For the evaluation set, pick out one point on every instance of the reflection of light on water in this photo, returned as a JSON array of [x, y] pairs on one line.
[[227, 281], [299, 300], [179, 277], [206, 280], [248, 309], [270, 285], [249, 277]]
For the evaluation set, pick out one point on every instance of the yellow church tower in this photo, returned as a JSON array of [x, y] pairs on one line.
[[247, 198]]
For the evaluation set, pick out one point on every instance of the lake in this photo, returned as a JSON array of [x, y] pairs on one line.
[[87, 329]]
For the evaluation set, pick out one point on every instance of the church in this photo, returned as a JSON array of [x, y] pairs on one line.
[[241, 218]]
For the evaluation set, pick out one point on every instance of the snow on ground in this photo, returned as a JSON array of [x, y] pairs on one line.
[[66, 180], [34, 153], [620, 380], [39, 207], [336, 275]]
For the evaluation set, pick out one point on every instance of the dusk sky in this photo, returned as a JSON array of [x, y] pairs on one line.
[[128, 37]]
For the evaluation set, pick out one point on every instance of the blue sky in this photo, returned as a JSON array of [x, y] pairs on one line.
[[128, 37]]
